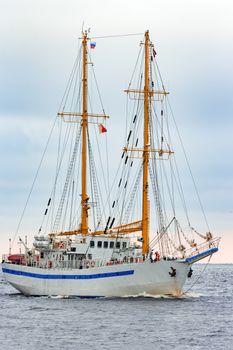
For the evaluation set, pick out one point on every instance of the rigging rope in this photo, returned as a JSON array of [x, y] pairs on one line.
[[96, 193], [69, 171], [191, 174], [133, 191], [199, 234], [58, 167], [198, 277], [34, 180], [116, 35], [66, 93]]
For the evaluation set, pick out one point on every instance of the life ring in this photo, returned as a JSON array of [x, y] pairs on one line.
[[92, 263], [87, 264], [50, 264]]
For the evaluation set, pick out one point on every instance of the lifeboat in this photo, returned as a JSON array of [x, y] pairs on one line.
[[17, 258]]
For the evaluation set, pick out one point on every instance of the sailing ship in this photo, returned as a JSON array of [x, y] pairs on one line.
[[137, 248]]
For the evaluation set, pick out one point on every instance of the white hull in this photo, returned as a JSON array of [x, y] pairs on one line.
[[107, 281]]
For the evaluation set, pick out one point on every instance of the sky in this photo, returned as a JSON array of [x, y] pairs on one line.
[[193, 39]]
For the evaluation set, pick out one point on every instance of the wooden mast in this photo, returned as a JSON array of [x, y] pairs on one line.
[[84, 196], [83, 228], [148, 92], [145, 195]]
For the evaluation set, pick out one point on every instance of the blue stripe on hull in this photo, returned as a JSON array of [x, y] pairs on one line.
[[68, 277], [202, 255]]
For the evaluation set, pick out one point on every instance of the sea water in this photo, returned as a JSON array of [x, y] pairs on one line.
[[201, 319]]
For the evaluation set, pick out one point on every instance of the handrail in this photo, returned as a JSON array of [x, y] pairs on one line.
[[35, 261], [213, 243]]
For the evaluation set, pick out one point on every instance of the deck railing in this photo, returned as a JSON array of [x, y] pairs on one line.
[[35, 261], [75, 264], [213, 243]]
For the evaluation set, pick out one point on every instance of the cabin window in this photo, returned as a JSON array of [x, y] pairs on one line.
[[118, 245], [73, 249], [99, 244], [92, 244], [105, 244], [124, 244], [111, 245]]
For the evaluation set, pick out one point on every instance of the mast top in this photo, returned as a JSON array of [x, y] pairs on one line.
[[85, 34]]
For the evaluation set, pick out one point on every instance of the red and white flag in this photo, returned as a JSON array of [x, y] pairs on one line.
[[102, 129]]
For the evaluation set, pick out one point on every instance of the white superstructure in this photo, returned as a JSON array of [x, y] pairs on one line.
[[100, 267]]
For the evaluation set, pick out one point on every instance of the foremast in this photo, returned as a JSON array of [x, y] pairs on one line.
[[81, 117]]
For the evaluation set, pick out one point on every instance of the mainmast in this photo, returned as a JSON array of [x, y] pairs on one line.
[[145, 155], [146, 149], [84, 121]]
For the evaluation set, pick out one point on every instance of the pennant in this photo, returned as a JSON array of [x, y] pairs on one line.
[[102, 129], [92, 44]]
